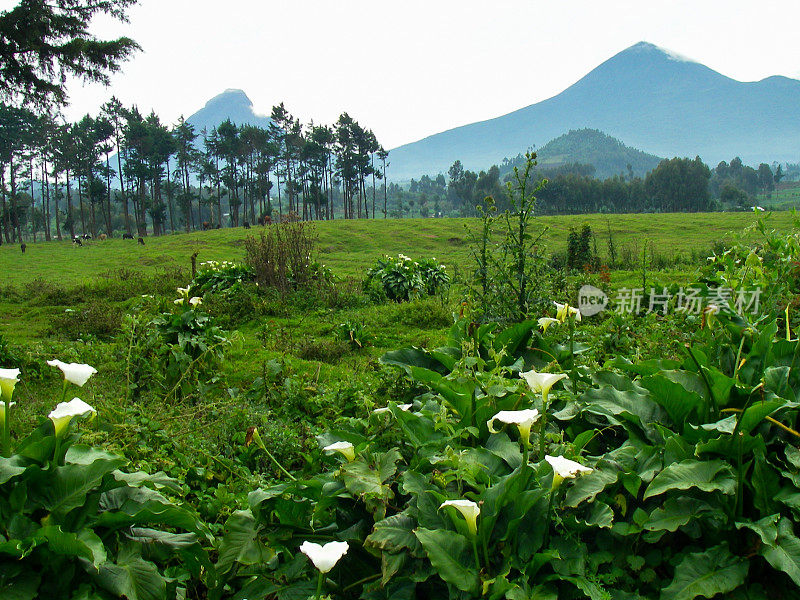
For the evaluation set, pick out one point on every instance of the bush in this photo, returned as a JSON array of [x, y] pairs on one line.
[[98, 318], [401, 279], [283, 257], [425, 313], [217, 278]]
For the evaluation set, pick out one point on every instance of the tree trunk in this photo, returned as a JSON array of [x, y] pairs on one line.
[[46, 201], [70, 218]]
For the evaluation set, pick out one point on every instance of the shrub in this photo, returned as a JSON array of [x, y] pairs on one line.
[[215, 277], [98, 318], [283, 257], [402, 278]]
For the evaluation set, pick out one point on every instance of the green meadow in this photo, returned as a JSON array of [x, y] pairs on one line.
[[350, 247]]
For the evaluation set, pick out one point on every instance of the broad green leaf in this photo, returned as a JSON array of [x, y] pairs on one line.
[[784, 554], [706, 574], [766, 528], [11, 467], [450, 554], [675, 513], [84, 544], [240, 543], [707, 476], [125, 506], [414, 357], [23, 586], [586, 487], [394, 534], [678, 401], [757, 412], [70, 484], [133, 578]]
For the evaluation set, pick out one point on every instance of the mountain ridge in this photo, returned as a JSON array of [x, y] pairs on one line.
[[649, 98]]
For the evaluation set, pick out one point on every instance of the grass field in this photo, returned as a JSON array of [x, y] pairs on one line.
[[350, 247]]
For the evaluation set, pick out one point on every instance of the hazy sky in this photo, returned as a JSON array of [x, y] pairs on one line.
[[411, 68]]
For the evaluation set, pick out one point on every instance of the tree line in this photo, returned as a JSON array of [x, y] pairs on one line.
[[125, 171], [674, 185]]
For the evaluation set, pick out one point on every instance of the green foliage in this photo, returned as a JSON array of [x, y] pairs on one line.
[[72, 522], [402, 279], [219, 277]]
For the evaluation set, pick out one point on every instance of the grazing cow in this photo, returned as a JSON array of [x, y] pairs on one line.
[[265, 220], [102, 236], [87, 236], [77, 240], [141, 241], [206, 225], [22, 247], [127, 236], [246, 225]]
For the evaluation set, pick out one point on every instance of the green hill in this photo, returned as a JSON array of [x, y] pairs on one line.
[[608, 155]]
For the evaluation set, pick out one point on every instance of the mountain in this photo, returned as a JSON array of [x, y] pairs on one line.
[[646, 96], [230, 104], [606, 154]]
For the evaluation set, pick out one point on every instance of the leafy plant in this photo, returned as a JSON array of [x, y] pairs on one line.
[[401, 279]]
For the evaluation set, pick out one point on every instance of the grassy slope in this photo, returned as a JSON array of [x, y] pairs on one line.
[[349, 247]]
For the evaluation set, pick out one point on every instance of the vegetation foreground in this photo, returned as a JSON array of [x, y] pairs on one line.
[[381, 427]]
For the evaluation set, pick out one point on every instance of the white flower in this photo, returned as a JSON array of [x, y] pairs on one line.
[[183, 291], [8, 379], [178, 301], [563, 468], [563, 311], [468, 509], [344, 448], [324, 557], [545, 322], [76, 373], [195, 301], [63, 413], [383, 409], [523, 419], [541, 382]]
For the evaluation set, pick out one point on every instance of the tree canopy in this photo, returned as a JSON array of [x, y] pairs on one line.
[[43, 43]]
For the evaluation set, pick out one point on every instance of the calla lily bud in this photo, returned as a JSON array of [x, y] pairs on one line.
[[346, 449], [469, 510], [324, 557], [523, 419], [76, 373], [563, 468], [8, 380], [64, 412]]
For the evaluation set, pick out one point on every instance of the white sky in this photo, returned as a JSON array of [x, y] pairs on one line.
[[411, 68]]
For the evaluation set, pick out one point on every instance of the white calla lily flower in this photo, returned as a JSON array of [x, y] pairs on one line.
[[64, 412], [195, 301], [541, 383], [468, 509], [523, 419], [346, 449], [563, 468], [324, 557], [8, 380], [77, 373], [565, 311], [383, 409], [545, 322]]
